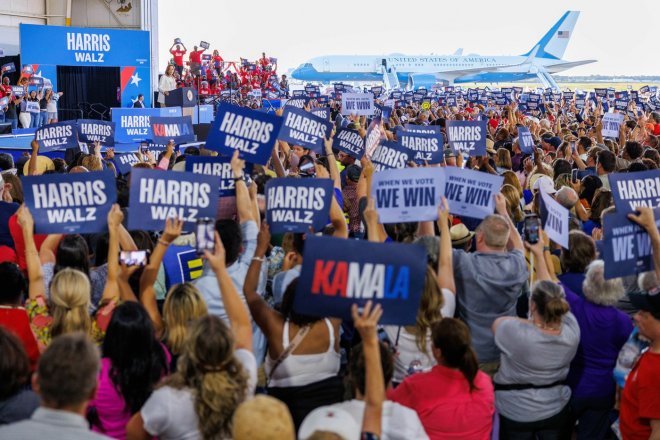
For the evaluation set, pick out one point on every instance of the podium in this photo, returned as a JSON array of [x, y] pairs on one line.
[[181, 97]]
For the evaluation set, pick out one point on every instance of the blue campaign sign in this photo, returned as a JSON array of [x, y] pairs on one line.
[[304, 129], [250, 132], [219, 166], [158, 195], [423, 147], [390, 155], [92, 130], [182, 264], [471, 193], [430, 130], [134, 124], [626, 246], [70, 203], [124, 162], [350, 142], [296, 205], [129, 50], [631, 190], [408, 194], [467, 137], [8, 68], [179, 129], [525, 140], [382, 111], [57, 136], [338, 273], [321, 112], [297, 102]]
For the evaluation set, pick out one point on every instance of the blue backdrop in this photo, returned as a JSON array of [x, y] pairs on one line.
[[46, 47]]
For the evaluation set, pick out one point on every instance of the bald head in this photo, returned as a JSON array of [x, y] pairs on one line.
[[78, 169]]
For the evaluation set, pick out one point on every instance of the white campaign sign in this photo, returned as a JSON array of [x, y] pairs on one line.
[[611, 124], [556, 224], [361, 104]]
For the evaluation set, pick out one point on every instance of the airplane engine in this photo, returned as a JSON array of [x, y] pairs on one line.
[[415, 81]]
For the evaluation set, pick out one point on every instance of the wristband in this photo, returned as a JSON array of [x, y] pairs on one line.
[[236, 179], [260, 259], [163, 242], [546, 248]]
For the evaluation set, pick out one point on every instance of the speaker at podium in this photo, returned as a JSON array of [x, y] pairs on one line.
[[181, 97]]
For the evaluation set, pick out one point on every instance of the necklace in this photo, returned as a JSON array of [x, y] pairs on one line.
[[543, 326]]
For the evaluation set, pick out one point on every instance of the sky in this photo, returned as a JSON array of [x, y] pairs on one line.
[[620, 37]]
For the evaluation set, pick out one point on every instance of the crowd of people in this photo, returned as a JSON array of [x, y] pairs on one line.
[[211, 75], [31, 107], [512, 339]]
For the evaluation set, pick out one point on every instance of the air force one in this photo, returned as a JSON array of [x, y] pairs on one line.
[[415, 71]]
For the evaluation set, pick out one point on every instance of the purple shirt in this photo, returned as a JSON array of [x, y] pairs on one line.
[[603, 331]]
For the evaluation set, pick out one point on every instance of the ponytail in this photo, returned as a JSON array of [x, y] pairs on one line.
[[452, 338], [549, 300]]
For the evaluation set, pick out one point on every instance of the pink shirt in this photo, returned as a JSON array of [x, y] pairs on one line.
[[445, 405], [110, 405]]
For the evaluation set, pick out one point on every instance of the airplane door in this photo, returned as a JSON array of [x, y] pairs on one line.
[[326, 65]]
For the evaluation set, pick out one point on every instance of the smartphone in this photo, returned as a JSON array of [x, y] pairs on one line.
[[572, 146], [133, 258], [574, 175], [532, 226], [205, 235]]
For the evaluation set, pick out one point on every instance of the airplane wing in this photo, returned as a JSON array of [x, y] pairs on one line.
[[458, 52], [553, 68]]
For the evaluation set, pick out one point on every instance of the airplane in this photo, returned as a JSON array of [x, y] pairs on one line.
[[415, 71]]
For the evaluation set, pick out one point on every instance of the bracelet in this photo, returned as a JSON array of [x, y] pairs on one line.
[[163, 242], [546, 248], [260, 259], [236, 179]]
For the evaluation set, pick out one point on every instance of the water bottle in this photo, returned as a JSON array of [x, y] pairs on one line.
[[415, 367]]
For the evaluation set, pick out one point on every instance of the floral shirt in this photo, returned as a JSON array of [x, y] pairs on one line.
[[41, 320]]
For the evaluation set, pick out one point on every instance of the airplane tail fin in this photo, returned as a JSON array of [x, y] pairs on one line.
[[554, 42]]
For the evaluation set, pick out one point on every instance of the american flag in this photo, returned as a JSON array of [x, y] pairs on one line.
[[563, 34]]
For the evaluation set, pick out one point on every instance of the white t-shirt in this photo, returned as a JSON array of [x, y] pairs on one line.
[[407, 350], [169, 413], [398, 422]]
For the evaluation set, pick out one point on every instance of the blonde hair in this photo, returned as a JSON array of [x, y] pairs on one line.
[[70, 293], [217, 379], [503, 158], [183, 305], [512, 197], [92, 163], [510, 178], [428, 311]]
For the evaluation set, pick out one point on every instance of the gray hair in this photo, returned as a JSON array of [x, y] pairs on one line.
[[597, 289], [567, 197], [495, 230], [647, 281], [431, 245]]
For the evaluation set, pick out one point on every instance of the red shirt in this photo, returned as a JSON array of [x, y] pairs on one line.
[[5, 90], [640, 401], [196, 56], [19, 244], [16, 320], [178, 56], [445, 405]]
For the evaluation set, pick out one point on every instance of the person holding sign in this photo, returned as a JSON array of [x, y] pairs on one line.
[[413, 344], [66, 309], [640, 404], [489, 282], [304, 375]]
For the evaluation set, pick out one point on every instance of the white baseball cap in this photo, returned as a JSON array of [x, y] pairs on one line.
[[329, 419], [545, 185]]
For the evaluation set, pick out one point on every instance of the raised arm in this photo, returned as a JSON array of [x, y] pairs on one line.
[[243, 204], [540, 266], [374, 391], [445, 260], [237, 313], [111, 289], [646, 219], [172, 230], [266, 318], [36, 285], [32, 167], [332, 162], [515, 242]]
